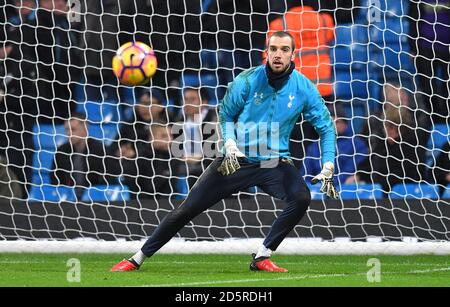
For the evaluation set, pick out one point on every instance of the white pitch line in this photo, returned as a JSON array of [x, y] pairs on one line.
[[304, 263], [200, 283], [428, 271], [249, 280]]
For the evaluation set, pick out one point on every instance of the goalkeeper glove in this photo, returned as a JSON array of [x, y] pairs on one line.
[[230, 163], [326, 176]]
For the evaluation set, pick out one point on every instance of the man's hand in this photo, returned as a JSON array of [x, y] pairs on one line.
[[326, 176], [230, 163]]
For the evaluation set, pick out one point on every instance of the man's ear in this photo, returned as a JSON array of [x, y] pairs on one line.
[[293, 56]]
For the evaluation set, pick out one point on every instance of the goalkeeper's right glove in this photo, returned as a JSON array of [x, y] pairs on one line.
[[230, 163], [326, 176]]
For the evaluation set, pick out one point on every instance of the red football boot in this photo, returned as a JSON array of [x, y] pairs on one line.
[[125, 265], [265, 264]]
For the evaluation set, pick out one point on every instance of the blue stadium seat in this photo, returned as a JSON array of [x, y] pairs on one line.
[[209, 58], [414, 190], [52, 193], [389, 43], [100, 112], [351, 84], [388, 31], [349, 191], [128, 95], [42, 164], [43, 159], [438, 137], [393, 55], [182, 188], [347, 34], [397, 60], [386, 9], [361, 191], [446, 193], [106, 133], [354, 58], [40, 177], [106, 193], [79, 94], [48, 136], [190, 80]]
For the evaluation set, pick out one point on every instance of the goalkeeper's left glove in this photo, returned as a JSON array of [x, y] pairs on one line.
[[230, 163], [326, 176]]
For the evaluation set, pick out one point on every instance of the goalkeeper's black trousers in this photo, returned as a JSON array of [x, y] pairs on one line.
[[280, 179]]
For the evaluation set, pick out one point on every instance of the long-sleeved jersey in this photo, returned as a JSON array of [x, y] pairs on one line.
[[261, 119]]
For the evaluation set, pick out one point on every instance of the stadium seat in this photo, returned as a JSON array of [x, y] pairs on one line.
[[209, 58], [79, 94], [360, 191], [394, 55], [46, 139], [106, 133], [354, 58], [349, 191], [100, 112], [414, 190], [128, 95], [182, 188], [43, 159], [388, 31], [348, 34], [438, 137], [40, 177], [106, 193], [52, 193], [42, 164], [351, 84], [48, 136], [387, 9], [446, 193]]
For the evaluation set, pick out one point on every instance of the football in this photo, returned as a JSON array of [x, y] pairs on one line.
[[134, 63]]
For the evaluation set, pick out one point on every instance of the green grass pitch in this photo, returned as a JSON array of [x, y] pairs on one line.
[[223, 270]]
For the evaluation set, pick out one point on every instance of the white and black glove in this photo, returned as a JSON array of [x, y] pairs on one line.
[[230, 163], [326, 176]]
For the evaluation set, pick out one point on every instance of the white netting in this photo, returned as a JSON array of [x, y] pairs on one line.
[[382, 67]]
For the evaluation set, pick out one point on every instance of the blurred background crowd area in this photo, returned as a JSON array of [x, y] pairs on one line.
[[382, 68]]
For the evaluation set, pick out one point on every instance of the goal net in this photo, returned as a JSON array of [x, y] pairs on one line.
[[90, 164]]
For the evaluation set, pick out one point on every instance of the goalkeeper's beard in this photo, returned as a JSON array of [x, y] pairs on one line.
[[282, 70]]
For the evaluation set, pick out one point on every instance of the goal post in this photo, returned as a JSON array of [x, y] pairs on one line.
[[385, 81]]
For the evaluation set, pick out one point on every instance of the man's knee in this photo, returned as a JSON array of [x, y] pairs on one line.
[[182, 215], [302, 198]]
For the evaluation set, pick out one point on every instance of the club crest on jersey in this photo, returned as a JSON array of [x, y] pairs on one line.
[[258, 97], [291, 98]]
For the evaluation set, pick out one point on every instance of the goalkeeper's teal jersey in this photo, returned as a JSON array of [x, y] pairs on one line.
[[261, 119]]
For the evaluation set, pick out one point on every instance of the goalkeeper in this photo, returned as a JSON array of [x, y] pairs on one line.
[[263, 101]]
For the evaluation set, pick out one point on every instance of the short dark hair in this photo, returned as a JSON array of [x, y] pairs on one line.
[[204, 95], [284, 34], [154, 93]]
